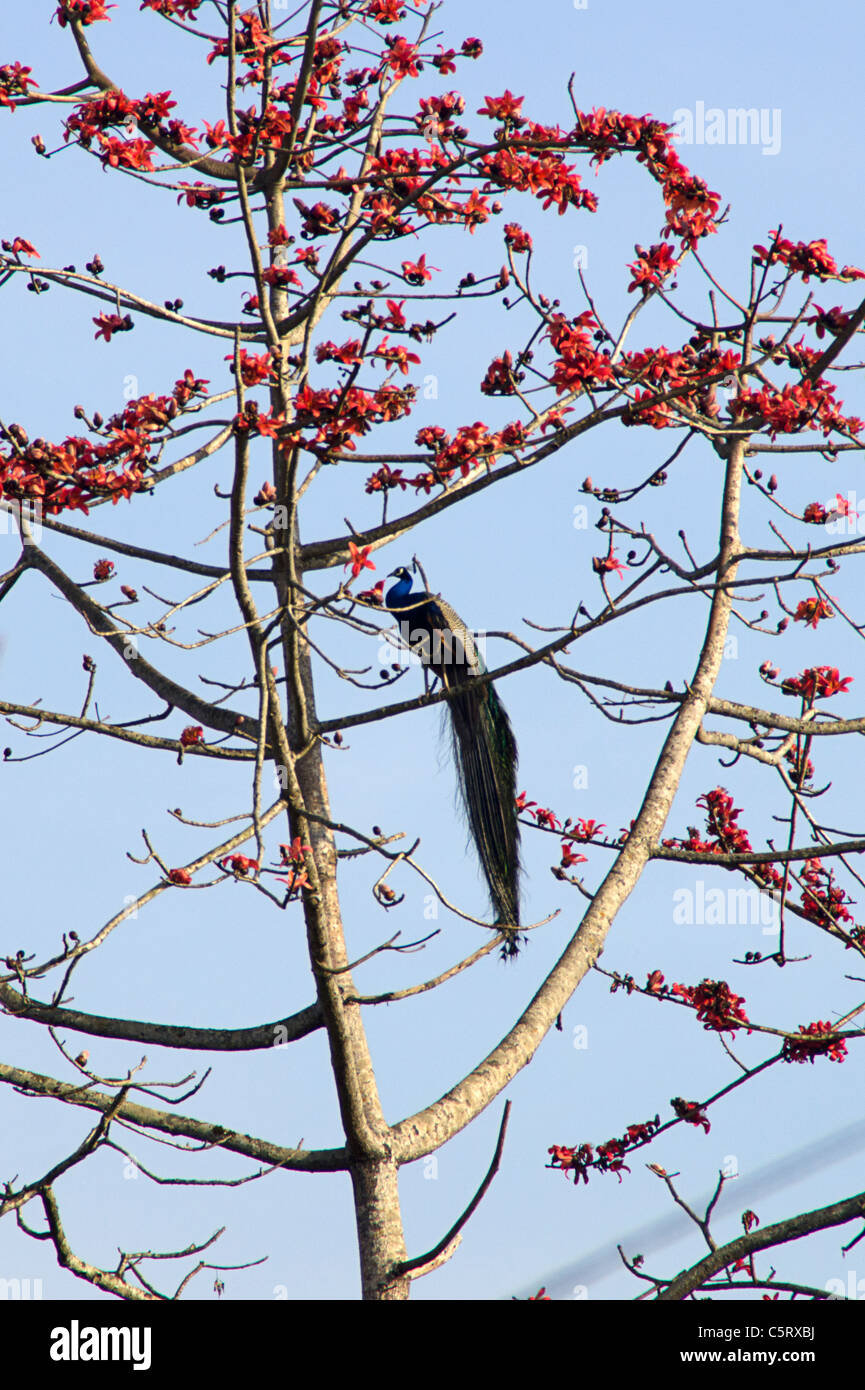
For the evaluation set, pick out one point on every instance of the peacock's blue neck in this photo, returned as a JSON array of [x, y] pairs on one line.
[[399, 592]]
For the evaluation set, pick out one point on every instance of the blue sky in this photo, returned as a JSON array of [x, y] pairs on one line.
[[514, 553]]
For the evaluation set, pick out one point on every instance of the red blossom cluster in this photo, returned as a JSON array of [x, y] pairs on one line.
[[805, 259], [797, 406], [77, 472], [14, 80], [718, 1009], [691, 204], [517, 239], [665, 371], [652, 267], [823, 901], [815, 1040], [579, 365], [500, 378], [82, 12], [610, 1157], [332, 419], [73, 473], [816, 683], [173, 9], [255, 369], [817, 515], [470, 446], [292, 856], [725, 836], [572, 832], [546, 175]]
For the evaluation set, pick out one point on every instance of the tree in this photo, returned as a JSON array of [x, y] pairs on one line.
[[332, 187]]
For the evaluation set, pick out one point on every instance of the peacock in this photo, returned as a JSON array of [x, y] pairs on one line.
[[485, 749]]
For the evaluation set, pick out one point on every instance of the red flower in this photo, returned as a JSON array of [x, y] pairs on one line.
[[20, 246], [815, 1040], [293, 853], [504, 108], [106, 324], [800, 259], [417, 272], [180, 876], [14, 81], [815, 514], [500, 377], [192, 734], [102, 570], [358, 559], [717, 1007], [569, 858], [375, 594], [384, 479], [811, 611], [295, 879], [605, 564], [690, 1112], [585, 829], [180, 9], [84, 11], [517, 239], [652, 267], [188, 386], [396, 356], [402, 56], [239, 864], [253, 369], [817, 683], [126, 154], [395, 315], [432, 437], [198, 194]]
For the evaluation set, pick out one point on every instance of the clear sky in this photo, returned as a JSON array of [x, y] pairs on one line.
[[514, 553]]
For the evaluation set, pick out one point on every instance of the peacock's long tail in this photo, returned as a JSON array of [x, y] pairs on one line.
[[484, 745], [486, 758]]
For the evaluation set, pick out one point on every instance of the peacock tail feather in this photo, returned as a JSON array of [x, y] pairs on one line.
[[485, 750]]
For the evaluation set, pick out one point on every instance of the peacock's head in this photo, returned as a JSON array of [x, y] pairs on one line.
[[402, 573]]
